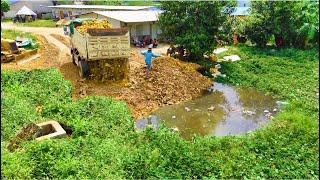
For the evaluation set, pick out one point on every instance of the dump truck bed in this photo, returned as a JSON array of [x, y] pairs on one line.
[[100, 44]]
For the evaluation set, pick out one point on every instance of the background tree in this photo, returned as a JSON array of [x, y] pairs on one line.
[[4, 6], [194, 25], [291, 23]]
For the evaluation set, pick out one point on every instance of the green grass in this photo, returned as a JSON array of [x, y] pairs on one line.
[[13, 34], [104, 145], [39, 23]]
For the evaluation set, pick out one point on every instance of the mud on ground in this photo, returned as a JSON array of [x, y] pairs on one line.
[[49, 54], [62, 39], [171, 81]]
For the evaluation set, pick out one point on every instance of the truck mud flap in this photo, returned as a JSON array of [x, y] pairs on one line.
[[83, 69]]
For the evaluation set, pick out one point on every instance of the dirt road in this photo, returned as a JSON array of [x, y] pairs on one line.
[[169, 82]]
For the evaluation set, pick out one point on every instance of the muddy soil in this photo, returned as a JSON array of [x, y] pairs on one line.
[[170, 82], [48, 55], [27, 133], [62, 39]]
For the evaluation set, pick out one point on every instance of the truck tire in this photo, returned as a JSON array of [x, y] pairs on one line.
[[73, 56], [83, 69]]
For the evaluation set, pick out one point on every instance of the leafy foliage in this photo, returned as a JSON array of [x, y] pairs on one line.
[[192, 24], [293, 22], [104, 145], [5, 6]]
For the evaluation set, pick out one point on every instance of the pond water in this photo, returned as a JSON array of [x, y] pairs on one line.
[[226, 110]]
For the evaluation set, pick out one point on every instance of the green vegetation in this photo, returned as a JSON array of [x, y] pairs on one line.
[[13, 34], [104, 145], [39, 23], [193, 25], [5, 7], [293, 23]]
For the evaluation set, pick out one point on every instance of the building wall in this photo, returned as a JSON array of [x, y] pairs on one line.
[[135, 29], [36, 6], [114, 23]]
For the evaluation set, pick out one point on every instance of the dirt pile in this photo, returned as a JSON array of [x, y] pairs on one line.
[[62, 39], [49, 54], [171, 81], [27, 133], [109, 69]]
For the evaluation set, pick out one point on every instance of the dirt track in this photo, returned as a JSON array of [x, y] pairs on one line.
[[169, 82]]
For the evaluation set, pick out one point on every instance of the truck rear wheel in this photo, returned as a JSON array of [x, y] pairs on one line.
[[83, 69]]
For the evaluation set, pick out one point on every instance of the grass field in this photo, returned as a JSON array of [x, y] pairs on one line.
[[13, 34], [39, 23], [104, 145]]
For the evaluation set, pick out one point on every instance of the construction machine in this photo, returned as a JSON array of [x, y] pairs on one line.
[[11, 52]]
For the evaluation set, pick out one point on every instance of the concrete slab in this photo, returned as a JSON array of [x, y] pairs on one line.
[[220, 50], [232, 58], [50, 129]]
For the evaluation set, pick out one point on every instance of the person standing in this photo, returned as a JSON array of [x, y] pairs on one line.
[[148, 58]]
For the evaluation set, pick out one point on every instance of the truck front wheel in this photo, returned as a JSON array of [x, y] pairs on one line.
[[83, 69]]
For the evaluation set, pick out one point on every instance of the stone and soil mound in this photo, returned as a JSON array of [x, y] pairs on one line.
[[171, 81]]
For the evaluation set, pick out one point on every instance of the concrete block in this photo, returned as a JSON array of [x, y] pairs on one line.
[[49, 130]]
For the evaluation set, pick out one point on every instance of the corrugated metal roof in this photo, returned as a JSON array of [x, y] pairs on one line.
[[131, 16], [241, 11], [133, 8]]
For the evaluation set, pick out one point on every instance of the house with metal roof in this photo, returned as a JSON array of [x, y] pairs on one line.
[[139, 23], [70, 11], [37, 6]]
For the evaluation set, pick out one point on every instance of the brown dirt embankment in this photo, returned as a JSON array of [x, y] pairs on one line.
[[171, 81]]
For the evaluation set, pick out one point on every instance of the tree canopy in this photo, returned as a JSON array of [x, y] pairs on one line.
[[4, 6], [193, 25], [293, 22]]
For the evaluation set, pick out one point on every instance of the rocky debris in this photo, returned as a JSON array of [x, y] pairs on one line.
[[187, 109], [116, 69], [232, 58], [217, 66], [247, 112], [170, 82], [219, 50], [235, 109], [82, 88], [211, 108], [266, 111], [28, 132]]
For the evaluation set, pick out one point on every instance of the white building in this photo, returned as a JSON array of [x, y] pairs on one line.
[[140, 20], [37, 6], [139, 23], [69, 11]]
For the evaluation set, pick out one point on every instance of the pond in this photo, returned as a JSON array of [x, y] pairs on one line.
[[226, 110]]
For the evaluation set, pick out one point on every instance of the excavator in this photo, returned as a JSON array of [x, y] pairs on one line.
[[11, 52]]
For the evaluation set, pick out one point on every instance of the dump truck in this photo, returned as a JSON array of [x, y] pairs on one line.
[[11, 52], [100, 52]]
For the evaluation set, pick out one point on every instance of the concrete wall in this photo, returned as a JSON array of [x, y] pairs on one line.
[[36, 6], [114, 23], [136, 29]]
